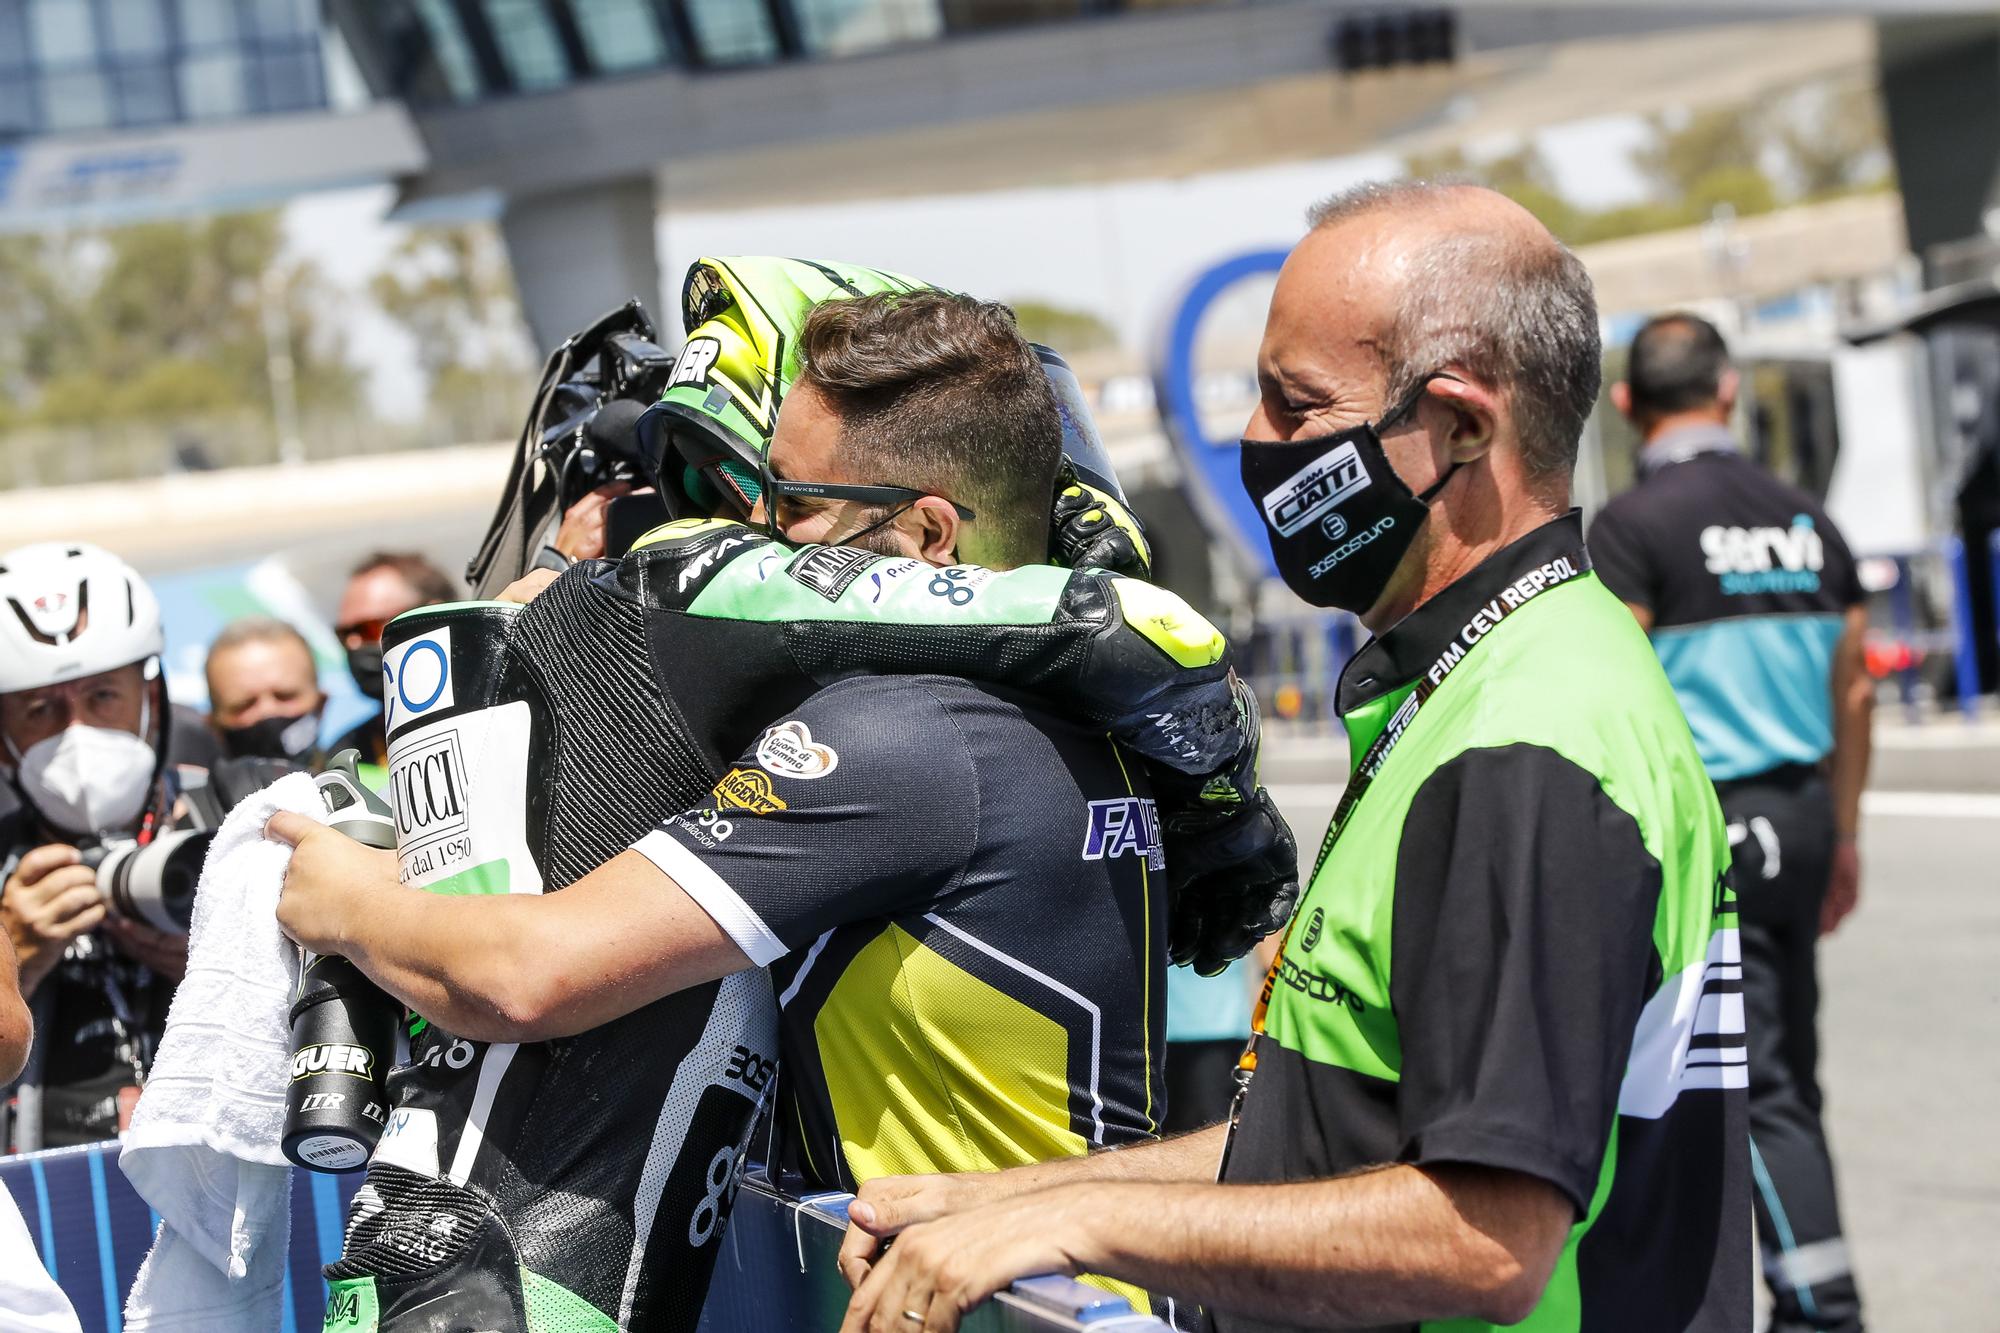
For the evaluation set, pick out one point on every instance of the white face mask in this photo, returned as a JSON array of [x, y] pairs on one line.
[[88, 780]]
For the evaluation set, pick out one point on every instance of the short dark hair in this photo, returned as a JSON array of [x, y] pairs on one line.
[[1522, 315], [426, 580], [940, 392], [1676, 364]]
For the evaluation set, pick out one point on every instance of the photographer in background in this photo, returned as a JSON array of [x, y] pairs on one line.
[[382, 587], [264, 700], [83, 723]]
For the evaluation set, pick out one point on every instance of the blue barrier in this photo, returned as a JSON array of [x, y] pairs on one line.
[[776, 1271], [92, 1229]]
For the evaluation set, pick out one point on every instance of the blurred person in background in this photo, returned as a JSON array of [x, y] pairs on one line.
[[1208, 1020], [1486, 1088], [84, 723], [382, 587], [1755, 608], [264, 699]]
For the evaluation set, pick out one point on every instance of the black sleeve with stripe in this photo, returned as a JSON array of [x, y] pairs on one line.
[[1523, 953]]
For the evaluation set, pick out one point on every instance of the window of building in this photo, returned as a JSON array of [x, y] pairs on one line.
[[732, 32], [61, 32], [17, 107], [76, 100], [528, 43], [284, 18], [13, 34], [621, 34], [287, 80], [841, 27], [449, 45], [207, 22], [211, 85], [144, 94], [135, 28]]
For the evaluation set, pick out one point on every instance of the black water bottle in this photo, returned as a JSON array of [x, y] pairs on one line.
[[343, 1025]]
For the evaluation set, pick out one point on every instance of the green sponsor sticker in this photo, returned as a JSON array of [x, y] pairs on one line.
[[351, 1306]]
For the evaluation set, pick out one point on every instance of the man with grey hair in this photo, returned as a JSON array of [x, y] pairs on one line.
[[1498, 1070]]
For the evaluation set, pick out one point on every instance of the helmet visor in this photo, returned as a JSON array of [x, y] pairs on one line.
[[1082, 445]]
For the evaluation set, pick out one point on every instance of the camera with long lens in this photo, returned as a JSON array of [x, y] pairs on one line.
[[581, 433], [153, 883], [587, 421]]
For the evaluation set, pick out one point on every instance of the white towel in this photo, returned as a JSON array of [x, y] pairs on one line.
[[203, 1148]]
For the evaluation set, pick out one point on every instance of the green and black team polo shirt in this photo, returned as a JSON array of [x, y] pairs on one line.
[[1521, 952]]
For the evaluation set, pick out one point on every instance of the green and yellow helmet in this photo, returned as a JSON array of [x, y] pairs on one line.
[[712, 427], [708, 435]]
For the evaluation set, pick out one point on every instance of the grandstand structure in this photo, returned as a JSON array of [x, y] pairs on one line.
[[573, 121]]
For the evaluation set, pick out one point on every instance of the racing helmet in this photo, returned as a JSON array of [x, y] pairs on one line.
[[45, 589], [707, 436]]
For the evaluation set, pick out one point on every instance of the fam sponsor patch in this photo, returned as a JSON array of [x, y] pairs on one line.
[[1126, 826], [790, 751], [416, 678], [1315, 488], [748, 789], [831, 570]]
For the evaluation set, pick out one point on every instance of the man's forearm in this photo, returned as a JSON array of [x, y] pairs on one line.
[[1853, 747], [1394, 1245], [1853, 726], [456, 967], [1186, 1158]]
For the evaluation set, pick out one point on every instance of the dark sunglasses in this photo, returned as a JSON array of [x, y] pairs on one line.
[[777, 489]]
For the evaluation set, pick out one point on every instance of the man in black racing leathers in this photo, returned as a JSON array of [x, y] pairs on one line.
[[579, 1183]]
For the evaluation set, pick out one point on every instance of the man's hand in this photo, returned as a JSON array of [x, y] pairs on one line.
[[1843, 890], [165, 954], [941, 1269], [581, 536], [887, 1204], [330, 883], [1232, 864], [1089, 529], [49, 900], [1233, 879], [524, 589]]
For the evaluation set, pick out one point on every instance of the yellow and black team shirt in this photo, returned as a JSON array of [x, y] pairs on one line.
[[962, 900]]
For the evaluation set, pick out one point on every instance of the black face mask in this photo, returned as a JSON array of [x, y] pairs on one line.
[[1338, 516], [288, 738], [365, 665]]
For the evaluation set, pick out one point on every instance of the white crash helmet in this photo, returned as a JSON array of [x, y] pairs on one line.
[[44, 591]]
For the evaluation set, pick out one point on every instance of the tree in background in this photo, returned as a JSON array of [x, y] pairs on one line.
[[162, 321], [1817, 142], [1522, 174], [452, 288], [1070, 332]]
